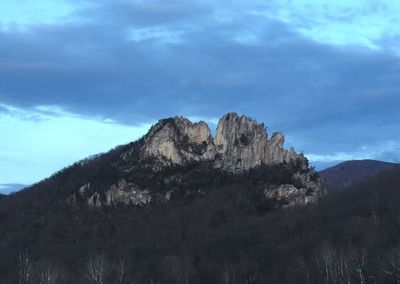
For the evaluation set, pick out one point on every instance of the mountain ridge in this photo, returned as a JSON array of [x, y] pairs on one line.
[[344, 174], [241, 144], [147, 171]]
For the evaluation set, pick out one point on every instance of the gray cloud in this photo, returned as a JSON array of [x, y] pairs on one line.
[[143, 13], [327, 98]]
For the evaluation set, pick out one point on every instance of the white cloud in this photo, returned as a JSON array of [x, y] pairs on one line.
[[355, 23], [247, 38], [160, 34], [388, 151]]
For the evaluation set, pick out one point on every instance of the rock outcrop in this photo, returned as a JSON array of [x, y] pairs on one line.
[[286, 195], [178, 141], [241, 143], [95, 200], [127, 194], [277, 154], [121, 193]]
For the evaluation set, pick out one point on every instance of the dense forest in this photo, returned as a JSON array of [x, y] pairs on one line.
[[226, 234]]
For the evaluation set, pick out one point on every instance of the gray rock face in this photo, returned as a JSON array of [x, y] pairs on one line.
[[127, 193], [241, 143], [84, 188], [277, 154], [177, 141], [288, 194], [120, 193], [95, 200], [314, 185]]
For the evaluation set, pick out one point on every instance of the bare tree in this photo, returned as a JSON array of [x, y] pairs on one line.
[[121, 271], [361, 267], [48, 274], [334, 266], [95, 270], [229, 274], [24, 269], [392, 267], [247, 271], [177, 269]]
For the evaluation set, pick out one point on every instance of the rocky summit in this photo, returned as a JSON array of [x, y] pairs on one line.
[[240, 145]]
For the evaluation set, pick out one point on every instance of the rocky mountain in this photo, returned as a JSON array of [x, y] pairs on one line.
[[241, 144], [347, 173], [176, 203], [182, 206]]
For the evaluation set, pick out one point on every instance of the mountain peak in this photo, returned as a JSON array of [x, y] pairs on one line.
[[155, 169], [241, 143], [348, 173], [177, 140]]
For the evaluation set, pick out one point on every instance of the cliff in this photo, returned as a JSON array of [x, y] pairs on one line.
[[240, 144]]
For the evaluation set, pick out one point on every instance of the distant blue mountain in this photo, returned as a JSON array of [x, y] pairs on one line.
[[8, 188], [347, 173]]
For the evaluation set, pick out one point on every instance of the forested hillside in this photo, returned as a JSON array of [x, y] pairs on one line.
[[229, 235]]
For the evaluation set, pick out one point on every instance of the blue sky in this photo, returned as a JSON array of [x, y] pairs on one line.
[[80, 77]]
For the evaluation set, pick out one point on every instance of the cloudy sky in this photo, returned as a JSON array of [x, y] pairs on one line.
[[80, 77]]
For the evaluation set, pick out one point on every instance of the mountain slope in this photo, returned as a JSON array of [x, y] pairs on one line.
[[176, 199], [153, 169], [215, 238], [344, 174]]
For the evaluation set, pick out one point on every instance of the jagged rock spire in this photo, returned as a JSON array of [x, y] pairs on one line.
[[177, 140], [241, 143]]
